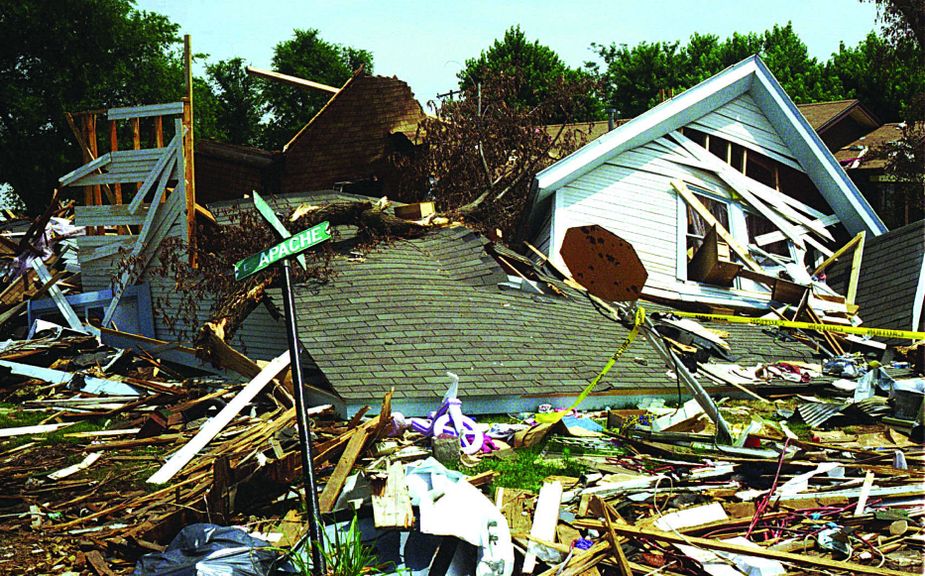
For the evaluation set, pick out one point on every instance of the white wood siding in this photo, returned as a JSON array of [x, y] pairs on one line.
[[742, 122], [631, 195]]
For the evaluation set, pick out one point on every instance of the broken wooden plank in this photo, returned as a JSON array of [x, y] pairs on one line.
[[339, 476], [26, 430], [704, 213], [392, 507], [545, 519], [852, 292], [60, 301], [838, 253], [218, 422], [865, 493], [75, 468], [98, 563], [710, 544]]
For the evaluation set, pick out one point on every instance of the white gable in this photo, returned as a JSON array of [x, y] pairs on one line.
[[746, 105], [742, 122]]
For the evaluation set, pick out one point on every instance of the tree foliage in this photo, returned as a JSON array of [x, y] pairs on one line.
[[636, 78], [881, 75], [307, 56], [240, 102], [538, 70], [904, 30], [59, 57]]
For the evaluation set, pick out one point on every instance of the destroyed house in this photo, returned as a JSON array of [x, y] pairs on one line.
[[719, 190], [403, 313]]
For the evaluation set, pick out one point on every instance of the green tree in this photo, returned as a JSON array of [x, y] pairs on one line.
[[638, 77], [635, 78], [307, 56], [903, 23], [240, 102], [68, 56], [538, 70], [881, 75]]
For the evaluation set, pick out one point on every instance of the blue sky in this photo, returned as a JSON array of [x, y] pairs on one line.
[[426, 42]]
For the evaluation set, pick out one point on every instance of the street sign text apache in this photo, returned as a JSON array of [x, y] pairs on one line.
[[289, 247]]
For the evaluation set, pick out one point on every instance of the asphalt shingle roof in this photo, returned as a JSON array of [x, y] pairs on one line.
[[890, 275], [414, 309]]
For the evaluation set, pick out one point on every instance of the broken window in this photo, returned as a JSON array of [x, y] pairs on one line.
[[697, 227], [759, 225]]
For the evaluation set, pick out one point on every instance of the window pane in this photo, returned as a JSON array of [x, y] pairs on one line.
[[757, 226], [696, 224]]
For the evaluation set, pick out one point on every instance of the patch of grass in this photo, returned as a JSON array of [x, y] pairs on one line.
[[801, 429], [59, 436], [13, 416], [525, 468]]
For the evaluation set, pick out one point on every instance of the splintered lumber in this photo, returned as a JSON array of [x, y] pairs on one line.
[[98, 563], [75, 468], [622, 563], [865, 493], [723, 546], [25, 430], [392, 508], [217, 423], [344, 466], [545, 519]]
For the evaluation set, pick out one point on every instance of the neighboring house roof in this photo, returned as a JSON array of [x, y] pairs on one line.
[[226, 171], [891, 287], [820, 115], [869, 152], [349, 138], [750, 76], [823, 115], [408, 311]]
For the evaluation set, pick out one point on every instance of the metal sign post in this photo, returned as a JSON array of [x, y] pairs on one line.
[[293, 245]]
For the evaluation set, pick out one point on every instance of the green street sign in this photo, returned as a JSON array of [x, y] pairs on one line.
[[270, 216], [291, 246]]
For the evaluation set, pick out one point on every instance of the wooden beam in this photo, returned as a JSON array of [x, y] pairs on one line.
[[392, 507], [344, 465], [188, 138], [704, 213], [545, 518], [136, 141], [292, 80], [623, 564], [135, 112], [852, 293], [217, 423], [113, 147], [848, 246]]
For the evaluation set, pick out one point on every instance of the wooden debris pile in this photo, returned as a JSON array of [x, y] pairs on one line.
[[675, 503], [86, 429]]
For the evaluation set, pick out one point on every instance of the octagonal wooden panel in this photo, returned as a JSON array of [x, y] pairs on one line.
[[604, 263]]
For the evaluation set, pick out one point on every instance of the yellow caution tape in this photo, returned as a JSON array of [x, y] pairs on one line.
[[858, 330], [553, 417]]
